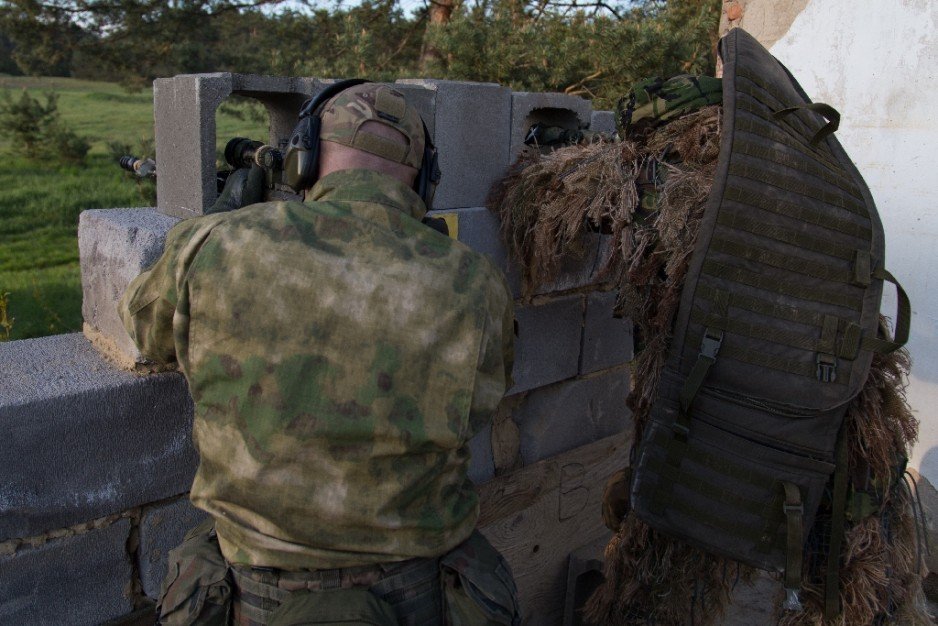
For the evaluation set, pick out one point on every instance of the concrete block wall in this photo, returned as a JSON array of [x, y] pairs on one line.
[[94, 476]]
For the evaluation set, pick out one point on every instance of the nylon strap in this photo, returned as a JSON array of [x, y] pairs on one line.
[[736, 528], [799, 163], [775, 285], [752, 120], [839, 508], [798, 186], [763, 307], [736, 219], [827, 111], [808, 267], [705, 488], [903, 314], [709, 348], [756, 331], [794, 548], [800, 212], [771, 361], [384, 148], [719, 464]]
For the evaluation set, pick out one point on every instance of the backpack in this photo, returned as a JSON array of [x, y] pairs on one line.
[[775, 334], [653, 102]]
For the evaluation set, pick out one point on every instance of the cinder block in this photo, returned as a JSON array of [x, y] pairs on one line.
[[114, 246], [603, 121], [547, 348], [184, 114], [482, 464], [480, 229], [607, 340], [470, 124], [77, 580], [572, 413], [162, 528], [550, 109], [84, 439], [584, 576]]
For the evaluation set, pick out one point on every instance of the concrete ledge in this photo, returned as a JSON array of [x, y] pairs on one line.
[[114, 246], [84, 439], [82, 579]]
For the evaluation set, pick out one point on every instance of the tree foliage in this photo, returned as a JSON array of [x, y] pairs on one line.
[[592, 48]]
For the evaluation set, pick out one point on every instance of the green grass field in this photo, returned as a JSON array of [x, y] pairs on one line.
[[40, 202]]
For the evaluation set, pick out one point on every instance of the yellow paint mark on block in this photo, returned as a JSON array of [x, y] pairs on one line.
[[452, 223]]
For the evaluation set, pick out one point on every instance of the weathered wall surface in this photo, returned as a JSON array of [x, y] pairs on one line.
[[873, 62]]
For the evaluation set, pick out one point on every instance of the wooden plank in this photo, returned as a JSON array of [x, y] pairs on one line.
[[538, 514]]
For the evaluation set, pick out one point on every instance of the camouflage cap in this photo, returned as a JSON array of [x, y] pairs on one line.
[[344, 115]]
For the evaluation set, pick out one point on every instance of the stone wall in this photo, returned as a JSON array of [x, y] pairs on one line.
[[97, 459]]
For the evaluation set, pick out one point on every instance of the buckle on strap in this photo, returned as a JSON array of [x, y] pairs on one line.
[[710, 344], [826, 368]]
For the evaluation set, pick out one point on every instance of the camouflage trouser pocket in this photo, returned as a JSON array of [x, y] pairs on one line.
[[478, 587], [197, 587]]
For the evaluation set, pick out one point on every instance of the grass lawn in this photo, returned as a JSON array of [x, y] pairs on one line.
[[40, 202]]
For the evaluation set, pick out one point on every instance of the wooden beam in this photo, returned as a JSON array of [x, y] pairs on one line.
[[537, 515]]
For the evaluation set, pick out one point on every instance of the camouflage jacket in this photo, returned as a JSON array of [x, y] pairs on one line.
[[340, 354]]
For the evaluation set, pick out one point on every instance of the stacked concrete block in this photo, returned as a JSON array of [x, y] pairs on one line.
[[603, 122], [81, 579], [470, 125], [114, 246], [162, 528], [547, 348], [84, 439], [550, 109], [570, 414], [184, 114], [607, 340]]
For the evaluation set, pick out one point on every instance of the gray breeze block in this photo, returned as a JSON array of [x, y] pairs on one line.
[[84, 439], [162, 528], [480, 229], [551, 109], [572, 413], [603, 121], [547, 348], [184, 115], [482, 463], [114, 246], [607, 340], [75, 580], [470, 124]]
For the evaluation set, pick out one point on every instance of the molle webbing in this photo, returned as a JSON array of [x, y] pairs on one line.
[[778, 323]]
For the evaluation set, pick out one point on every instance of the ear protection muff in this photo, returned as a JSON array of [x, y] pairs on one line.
[[301, 157]]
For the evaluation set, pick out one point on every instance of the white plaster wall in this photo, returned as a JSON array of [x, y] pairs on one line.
[[875, 61]]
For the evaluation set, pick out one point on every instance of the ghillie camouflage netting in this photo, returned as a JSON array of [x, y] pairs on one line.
[[547, 205]]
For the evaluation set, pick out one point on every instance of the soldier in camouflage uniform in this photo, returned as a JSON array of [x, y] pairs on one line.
[[340, 354]]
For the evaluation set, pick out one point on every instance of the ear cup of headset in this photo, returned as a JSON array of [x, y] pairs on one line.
[[301, 159]]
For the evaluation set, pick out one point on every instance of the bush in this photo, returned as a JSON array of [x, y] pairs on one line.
[[37, 132]]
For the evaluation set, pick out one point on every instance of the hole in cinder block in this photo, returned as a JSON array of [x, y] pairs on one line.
[[265, 117], [584, 576], [553, 117]]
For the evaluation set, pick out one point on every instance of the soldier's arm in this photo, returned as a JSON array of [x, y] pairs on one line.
[[157, 297]]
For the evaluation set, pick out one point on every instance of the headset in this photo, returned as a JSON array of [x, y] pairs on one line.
[[301, 157]]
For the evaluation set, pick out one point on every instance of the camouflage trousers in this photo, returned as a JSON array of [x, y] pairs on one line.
[[412, 589], [471, 585]]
